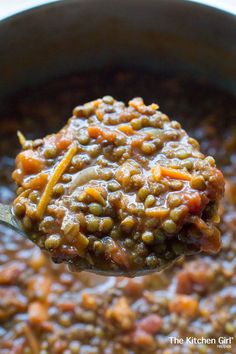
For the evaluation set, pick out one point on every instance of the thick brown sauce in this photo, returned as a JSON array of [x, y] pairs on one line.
[[195, 298]]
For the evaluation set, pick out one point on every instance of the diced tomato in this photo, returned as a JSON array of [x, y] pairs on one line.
[[194, 202], [133, 286], [151, 323], [142, 338], [195, 277], [62, 142], [117, 254], [89, 301], [184, 305], [30, 162], [37, 182], [10, 272], [66, 306], [211, 243], [18, 176], [39, 287], [121, 314], [38, 312]]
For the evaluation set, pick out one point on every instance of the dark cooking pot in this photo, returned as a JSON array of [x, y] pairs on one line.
[[165, 35]]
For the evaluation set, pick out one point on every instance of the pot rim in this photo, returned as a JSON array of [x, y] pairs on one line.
[[9, 9]]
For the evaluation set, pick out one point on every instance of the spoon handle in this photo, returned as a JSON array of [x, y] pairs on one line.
[[7, 218]]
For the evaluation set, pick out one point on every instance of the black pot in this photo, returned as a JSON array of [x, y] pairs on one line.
[[69, 36]]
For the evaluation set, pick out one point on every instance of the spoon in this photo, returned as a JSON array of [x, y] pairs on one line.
[[8, 219]]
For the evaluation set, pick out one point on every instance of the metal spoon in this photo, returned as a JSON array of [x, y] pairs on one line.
[[8, 218]]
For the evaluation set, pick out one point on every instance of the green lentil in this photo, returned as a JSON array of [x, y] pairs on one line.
[[74, 347], [27, 222], [198, 182], [136, 124], [152, 261], [148, 237], [118, 152], [143, 193], [58, 189], [116, 234], [230, 328], [182, 154], [94, 151], [141, 249], [210, 160], [107, 174], [149, 201], [129, 243], [92, 223], [66, 178], [84, 139], [98, 247], [108, 99], [53, 241], [96, 209], [65, 320], [106, 224], [176, 185], [194, 143], [169, 226], [174, 200], [177, 213], [34, 196], [188, 164], [50, 152], [19, 209], [19, 190], [127, 224], [148, 148]]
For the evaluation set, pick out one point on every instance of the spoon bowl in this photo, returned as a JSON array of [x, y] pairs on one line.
[[8, 219]]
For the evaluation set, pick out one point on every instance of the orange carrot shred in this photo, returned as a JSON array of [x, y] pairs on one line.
[[158, 171], [54, 178], [94, 193], [127, 129]]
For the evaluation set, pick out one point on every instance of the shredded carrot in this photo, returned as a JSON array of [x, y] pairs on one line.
[[31, 339], [54, 178], [175, 174], [95, 194], [159, 171], [24, 194], [21, 138], [157, 212]]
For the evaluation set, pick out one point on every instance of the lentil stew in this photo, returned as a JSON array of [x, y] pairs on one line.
[[46, 310], [118, 188]]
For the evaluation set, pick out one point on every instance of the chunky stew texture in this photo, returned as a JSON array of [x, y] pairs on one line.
[[119, 187], [46, 310]]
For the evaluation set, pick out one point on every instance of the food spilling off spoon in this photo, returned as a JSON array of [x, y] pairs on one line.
[[120, 189]]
